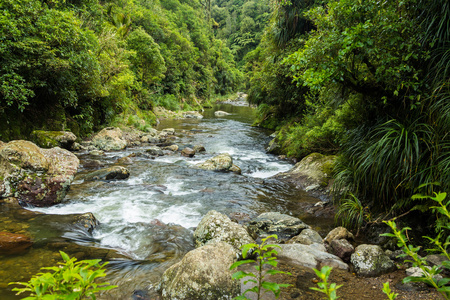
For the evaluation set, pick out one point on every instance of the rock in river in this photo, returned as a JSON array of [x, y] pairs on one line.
[[284, 226], [115, 172], [13, 243], [50, 139], [40, 177], [109, 138], [222, 162]]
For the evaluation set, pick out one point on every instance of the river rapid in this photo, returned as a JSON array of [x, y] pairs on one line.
[[147, 220]]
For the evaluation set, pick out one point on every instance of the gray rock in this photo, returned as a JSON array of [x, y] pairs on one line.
[[221, 113], [124, 161], [284, 226], [236, 169], [343, 249], [96, 153], [169, 131], [155, 151], [199, 148], [188, 152], [172, 148], [216, 227], [192, 115], [222, 163], [306, 237], [109, 139], [115, 172], [370, 261], [418, 272], [338, 233], [310, 256], [203, 273]]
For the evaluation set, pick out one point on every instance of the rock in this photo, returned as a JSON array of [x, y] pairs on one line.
[[169, 131], [306, 237], [222, 163], [313, 174], [284, 226], [86, 222], [418, 272], [192, 115], [50, 139], [172, 148], [338, 233], [13, 243], [203, 273], [109, 139], [216, 227], [199, 148], [93, 164], [155, 151], [96, 153], [124, 161], [371, 261], [273, 147], [188, 152], [236, 169], [132, 136], [310, 256], [40, 177], [115, 172], [343, 249], [221, 113]]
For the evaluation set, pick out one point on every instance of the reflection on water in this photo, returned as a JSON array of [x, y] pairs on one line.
[[146, 221]]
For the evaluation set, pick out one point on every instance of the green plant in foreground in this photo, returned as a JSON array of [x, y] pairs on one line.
[[70, 280], [265, 255], [329, 289], [428, 273], [387, 290]]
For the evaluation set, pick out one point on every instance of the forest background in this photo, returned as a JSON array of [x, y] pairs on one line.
[[367, 81]]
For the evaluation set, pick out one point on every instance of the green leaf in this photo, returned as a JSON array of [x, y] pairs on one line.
[[241, 262]]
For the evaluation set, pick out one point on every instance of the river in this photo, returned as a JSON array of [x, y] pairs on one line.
[[146, 221]]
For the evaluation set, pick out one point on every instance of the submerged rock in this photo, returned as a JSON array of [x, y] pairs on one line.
[[284, 226], [109, 139], [50, 139], [14, 243], [115, 172], [216, 227], [40, 177], [203, 273], [222, 162], [371, 261]]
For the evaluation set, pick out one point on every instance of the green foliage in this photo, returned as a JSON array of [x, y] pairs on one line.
[[265, 256], [329, 289], [71, 280], [387, 290], [351, 213], [439, 245]]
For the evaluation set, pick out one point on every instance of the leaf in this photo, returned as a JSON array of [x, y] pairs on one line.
[[241, 262], [242, 274]]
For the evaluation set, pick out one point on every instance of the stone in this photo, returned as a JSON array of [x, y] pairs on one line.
[[172, 148], [418, 272], [203, 273], [199, 148], [236, 169], [192, 115], [371, 261], [86, 222], [284, 226], [13, 243], [342, 248], [338, 233], [221, 113], [216, 227], [169, 131], [310, 256], [188, 152], [109, 139], [115, 172], [222, 163], [40, 177], [124, 161], [50, 139], [306, 237], [93, 164], [96, 153], [155, 151]]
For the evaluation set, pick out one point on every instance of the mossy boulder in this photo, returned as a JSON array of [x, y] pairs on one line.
[[40, 177], [111, 173], [51, 139], [313, 174], [371, 261], [221, 163], [109, 139]]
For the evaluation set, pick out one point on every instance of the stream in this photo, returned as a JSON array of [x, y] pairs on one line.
[[147, 220]]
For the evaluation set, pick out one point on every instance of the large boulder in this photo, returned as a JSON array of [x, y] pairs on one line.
[[307, 237], [109, 139], [313, 174], [222, 163], [203, 273], [13, 243], [338, 233], [36, 176], [371, 261], [216, 227], [111, 173], [343, 249], [51, 139], [311, 256], [284, 226]]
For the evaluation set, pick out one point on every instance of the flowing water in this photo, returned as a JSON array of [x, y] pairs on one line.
[[147, 221]]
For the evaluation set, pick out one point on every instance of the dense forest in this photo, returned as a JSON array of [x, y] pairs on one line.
[[366, 80]]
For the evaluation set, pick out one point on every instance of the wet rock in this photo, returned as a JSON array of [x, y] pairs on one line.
[[37, 176], [132, 136], [310, 256], [239, 217], [221, 113], [96, 153], [216, 227], [222, 162], [115, 172], [155, 151], [172, 148], [338, 233], [13, 243], [313, 174], [124, 161], [273, 147], [50, 139], [188, 152], [86, 221], [371, 261], [307, 237], [169, 131], [109, 139], [93, 164], [284, 226], [343, 249], [203, 273], [199, 148], [150, 139], [192, 115], [235, 169]]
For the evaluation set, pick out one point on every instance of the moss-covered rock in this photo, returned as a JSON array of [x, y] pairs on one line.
[[111, 173], [51, 139], [222, 163], [109, 138]]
